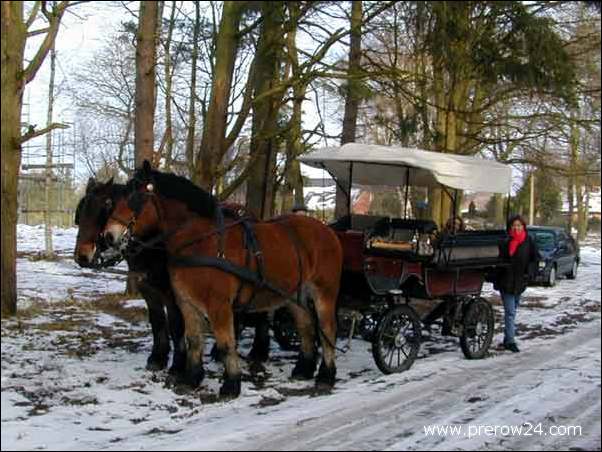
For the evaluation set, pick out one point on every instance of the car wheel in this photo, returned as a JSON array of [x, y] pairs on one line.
[[573, 273], [552, 277]]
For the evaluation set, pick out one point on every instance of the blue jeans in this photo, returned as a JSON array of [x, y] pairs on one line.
[[511, 303]]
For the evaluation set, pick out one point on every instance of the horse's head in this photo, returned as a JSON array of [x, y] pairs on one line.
[[91, 217], [138, 213]]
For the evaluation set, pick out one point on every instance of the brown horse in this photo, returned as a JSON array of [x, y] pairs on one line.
[[294, 254]]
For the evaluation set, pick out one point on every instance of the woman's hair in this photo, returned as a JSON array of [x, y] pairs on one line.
[[513, 219]]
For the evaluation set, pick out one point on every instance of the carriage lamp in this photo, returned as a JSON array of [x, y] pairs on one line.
[[542, 265]]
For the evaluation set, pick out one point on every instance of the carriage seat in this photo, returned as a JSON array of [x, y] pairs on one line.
[[469, 248], [396, 236]]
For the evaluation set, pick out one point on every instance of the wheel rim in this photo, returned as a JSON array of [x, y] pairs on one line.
[[477, 332], [397, 341]]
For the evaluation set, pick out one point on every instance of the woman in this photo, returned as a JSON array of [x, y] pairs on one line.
[[522, 253]]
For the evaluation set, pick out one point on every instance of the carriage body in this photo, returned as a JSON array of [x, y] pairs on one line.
[[409, 255], [391, 262]]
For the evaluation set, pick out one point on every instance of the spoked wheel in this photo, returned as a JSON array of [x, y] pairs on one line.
[[477, 329], [285, 330], [397, 340]]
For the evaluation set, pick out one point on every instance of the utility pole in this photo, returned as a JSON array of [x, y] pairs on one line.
[[47, 219]]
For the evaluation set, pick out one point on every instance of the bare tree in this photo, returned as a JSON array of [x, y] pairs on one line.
[[15, 32]]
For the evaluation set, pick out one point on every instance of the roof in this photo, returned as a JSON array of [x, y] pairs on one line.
[[385, 165]]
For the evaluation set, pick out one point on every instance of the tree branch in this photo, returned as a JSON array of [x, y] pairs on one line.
[[32, 133]]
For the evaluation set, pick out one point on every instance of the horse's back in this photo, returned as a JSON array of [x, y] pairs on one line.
[[315, 241]]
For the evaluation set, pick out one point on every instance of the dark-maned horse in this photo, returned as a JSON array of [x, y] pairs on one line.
[[91, 216], [153, 283], [293, 253]]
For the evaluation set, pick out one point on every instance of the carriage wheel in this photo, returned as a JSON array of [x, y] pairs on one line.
[[285, 330], [397, 340], [477, 329]]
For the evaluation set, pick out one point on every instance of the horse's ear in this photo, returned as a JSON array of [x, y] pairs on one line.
[[108, 184], [91, 185]]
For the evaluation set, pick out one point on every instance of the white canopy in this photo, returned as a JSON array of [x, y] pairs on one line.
[[384, 165]]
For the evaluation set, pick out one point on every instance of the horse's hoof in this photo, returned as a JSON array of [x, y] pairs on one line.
[[230, 389], [304, 369], [155, 363], [326, 377], [191, 379]]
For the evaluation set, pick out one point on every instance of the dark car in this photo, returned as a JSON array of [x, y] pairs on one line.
[[559, 254]]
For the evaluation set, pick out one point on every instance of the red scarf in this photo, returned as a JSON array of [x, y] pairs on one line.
[[516, 238]]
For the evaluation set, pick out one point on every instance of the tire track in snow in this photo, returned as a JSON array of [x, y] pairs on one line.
[[485, 392]]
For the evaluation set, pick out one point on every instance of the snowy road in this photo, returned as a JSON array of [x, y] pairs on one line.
[[73, 378], [556, 384]]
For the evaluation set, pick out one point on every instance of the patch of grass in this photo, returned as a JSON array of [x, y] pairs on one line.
[[113, 304]]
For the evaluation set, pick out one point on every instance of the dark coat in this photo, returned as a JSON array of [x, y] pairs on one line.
[[514, 279]]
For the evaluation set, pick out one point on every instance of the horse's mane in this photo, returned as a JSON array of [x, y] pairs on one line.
[[181, 189]]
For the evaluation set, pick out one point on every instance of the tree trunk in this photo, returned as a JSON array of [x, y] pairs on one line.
[[169, 72], [434, 203], [499, 210], [146, 58], [48, 181], [581, 213], [260, 185], [352, 99], [190, 158], [13, 44], [292, 189], [14, 78], [214, 128], [570, 193]]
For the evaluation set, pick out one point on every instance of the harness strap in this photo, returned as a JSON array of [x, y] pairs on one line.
[[227, 267], [219, 220]]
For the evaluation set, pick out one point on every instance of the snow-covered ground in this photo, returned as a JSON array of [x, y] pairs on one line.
[[73, 378]]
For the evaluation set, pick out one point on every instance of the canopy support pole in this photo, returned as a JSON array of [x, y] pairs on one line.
[[349, 189]]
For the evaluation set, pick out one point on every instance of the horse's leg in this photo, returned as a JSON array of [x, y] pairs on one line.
[[156, 315], [261, 343], [325, 305], [194, 334], [176, 330], [306, 362], [222, 323]]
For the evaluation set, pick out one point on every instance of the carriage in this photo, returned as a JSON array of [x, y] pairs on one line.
[[378, 265], [390, 263]]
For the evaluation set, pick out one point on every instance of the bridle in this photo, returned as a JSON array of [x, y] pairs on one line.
[[128, 241]]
